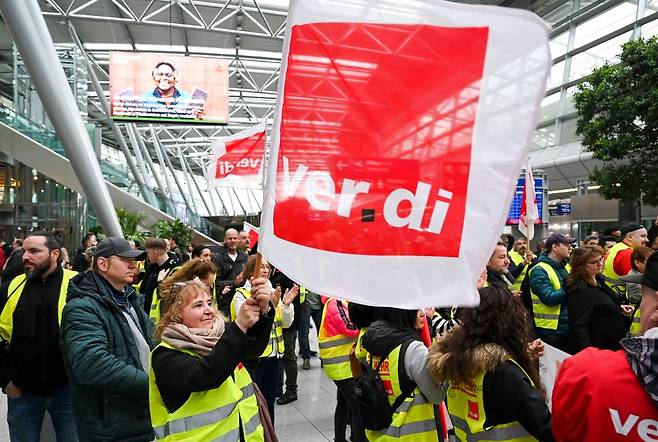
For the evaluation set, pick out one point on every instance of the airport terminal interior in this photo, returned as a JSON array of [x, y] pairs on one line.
[[156, 168]]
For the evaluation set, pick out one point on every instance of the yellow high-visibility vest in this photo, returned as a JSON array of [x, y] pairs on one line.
[[413, 420], [466, 408], [276, 335], [212, 415], [635, 325], [517, 259], [302, 294], [334, 349], [611, 277], [15, 291], [546, 316]]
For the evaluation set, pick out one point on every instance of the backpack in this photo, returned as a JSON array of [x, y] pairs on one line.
[[371, 405]]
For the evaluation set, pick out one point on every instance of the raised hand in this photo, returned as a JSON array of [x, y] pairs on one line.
[[290, 294], [248, 314]]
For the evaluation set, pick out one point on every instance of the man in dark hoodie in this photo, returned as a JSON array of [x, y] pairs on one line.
[[605, 395], [106, 341]]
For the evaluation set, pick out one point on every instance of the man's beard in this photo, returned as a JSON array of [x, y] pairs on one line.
[[39, 270]]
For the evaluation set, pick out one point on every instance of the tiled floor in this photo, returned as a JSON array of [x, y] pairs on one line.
[[309, 419]]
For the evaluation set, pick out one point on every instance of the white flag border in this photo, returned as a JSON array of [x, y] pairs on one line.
[[410, 277]]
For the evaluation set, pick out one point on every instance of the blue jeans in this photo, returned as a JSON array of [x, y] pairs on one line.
[[25, 416], [303, 325]]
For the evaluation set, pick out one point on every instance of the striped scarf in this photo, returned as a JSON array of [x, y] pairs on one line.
[[642, 354]]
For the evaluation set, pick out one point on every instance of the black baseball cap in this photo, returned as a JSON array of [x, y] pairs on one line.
[[557, 238], [112, 246], [650, 275], [630, 227]]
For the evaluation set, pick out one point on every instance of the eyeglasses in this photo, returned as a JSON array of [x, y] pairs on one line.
[[164, 74], [598, 261]]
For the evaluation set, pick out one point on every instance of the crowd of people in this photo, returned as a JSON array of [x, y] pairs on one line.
[[132, 342]]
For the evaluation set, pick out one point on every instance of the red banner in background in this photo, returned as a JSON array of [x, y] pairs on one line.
[[237, 161]]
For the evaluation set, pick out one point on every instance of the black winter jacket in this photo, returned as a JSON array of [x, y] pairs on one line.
[[110, 388], [595, 316], [227, 270], [150, 281], [33, 360]]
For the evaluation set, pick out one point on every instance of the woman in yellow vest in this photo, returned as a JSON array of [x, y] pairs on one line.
[[264, 367], [198, 389], [404, 373], [203, 269], [494, 391]]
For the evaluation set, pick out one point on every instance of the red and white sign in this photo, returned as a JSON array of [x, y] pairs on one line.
[[397, 140], [237, 161]]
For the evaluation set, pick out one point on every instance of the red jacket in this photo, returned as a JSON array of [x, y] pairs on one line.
[[597, 397]]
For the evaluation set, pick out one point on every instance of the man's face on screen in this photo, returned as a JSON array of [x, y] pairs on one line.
[[165, 77]]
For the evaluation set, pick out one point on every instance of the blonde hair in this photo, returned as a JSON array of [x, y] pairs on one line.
[[175, 299], [194, 268]]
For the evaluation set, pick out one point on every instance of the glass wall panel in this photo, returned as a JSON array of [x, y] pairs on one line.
[[582, 64], [649, 29], [568, 132], [543, 137], [651, 7], [604, 23], [558, 44], [557, 72], [570, 107], [549, 107]]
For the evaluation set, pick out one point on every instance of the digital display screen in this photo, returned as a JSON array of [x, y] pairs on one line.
[[168, 88]]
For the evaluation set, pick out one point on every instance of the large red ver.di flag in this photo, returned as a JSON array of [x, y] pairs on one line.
[[395, 133]]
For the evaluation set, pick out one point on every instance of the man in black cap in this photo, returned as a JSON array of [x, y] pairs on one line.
[[106, 340], [618, 260], [547, 290]]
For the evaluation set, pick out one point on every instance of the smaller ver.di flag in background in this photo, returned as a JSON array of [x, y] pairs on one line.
[[529, 211], [252, 231], [397, 141], [237, 161]]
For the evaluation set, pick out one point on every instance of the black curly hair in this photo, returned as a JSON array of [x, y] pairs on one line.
[[500, 319]]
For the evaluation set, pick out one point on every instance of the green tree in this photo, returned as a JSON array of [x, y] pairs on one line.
[[129, 221], [176, 228], [618, 122]]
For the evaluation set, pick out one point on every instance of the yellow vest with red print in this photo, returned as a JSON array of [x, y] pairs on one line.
[[466, 408], [413, 420], [14, 293], [275, 347], [334, 349], [211, 415]]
